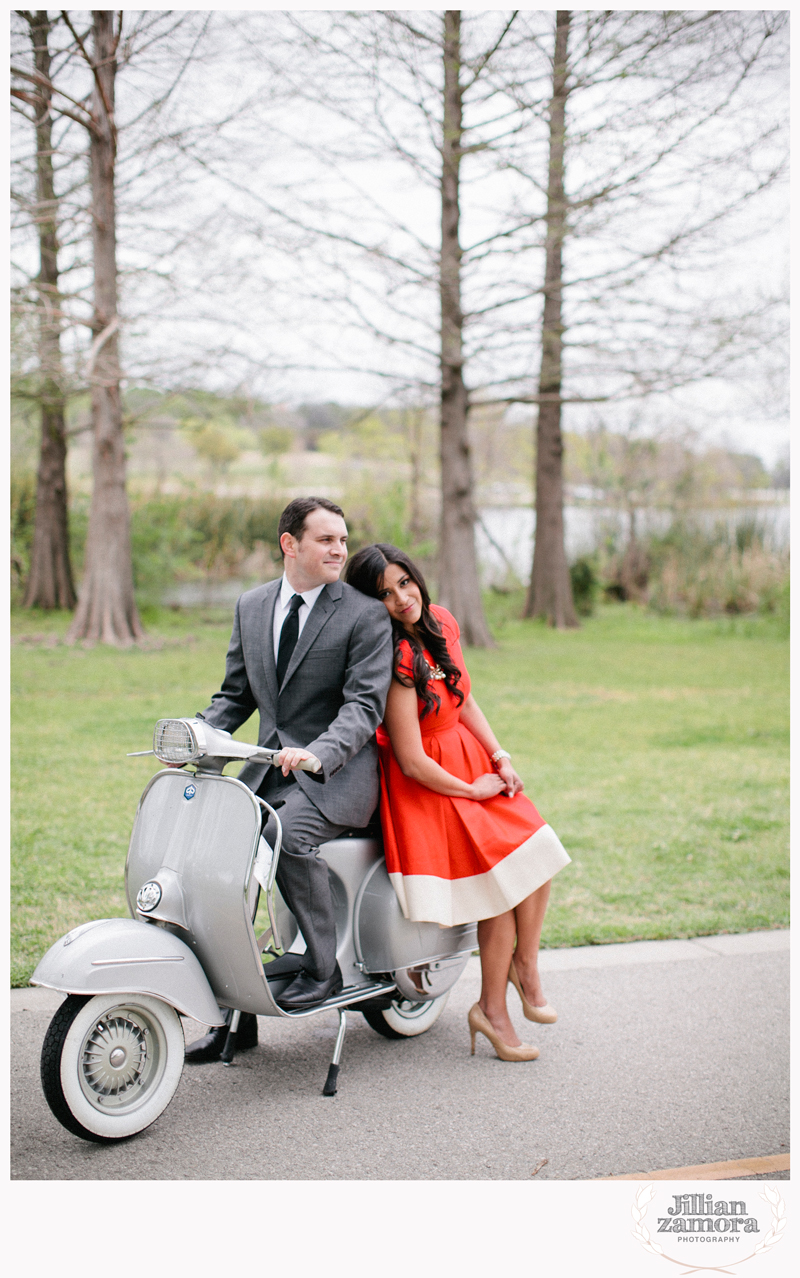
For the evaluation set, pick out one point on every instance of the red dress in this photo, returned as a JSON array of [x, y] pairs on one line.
[[458, 860]]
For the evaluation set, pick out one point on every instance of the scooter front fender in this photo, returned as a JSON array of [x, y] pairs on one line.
[[124, 956]]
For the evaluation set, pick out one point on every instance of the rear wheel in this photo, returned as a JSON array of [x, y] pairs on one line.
[[111, 1064], [404, 1019]]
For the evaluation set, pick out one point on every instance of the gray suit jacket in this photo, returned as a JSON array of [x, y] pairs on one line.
[[332, 699]]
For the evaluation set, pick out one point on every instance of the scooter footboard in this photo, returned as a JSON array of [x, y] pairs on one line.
[[123, 956]]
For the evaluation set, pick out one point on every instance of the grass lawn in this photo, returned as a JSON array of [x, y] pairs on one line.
[[656, 747]]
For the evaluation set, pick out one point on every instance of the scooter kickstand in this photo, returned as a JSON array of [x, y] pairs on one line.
[[228, 1051], [333, 1070]]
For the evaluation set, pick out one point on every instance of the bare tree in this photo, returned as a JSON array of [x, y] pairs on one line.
[[459, 586], [550, 591], [453, 296], [50, 582], [414, 94], [107, 608], [658, 86], [614, 169]]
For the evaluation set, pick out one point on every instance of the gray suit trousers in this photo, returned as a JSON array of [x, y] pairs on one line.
[[302, 872]]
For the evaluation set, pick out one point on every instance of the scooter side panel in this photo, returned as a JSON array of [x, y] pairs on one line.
[[206, 840], [387, 941], [111, 956], [349, 860]]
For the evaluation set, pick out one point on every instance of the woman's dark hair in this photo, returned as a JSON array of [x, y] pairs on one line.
[[365, 572]]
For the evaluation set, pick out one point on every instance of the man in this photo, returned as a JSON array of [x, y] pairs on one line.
[[314, 656]]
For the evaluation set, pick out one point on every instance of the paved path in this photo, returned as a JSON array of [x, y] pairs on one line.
[[666, 1054]]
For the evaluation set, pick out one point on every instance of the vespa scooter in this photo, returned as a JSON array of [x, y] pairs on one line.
[[197, 863]]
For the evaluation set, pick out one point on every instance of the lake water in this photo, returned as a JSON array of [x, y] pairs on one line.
[[512, 528]]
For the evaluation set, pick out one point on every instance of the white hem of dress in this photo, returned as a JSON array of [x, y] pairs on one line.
[[424, 898]]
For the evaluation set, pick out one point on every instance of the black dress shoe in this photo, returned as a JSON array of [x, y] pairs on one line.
[[306, 991], [209, 1048]]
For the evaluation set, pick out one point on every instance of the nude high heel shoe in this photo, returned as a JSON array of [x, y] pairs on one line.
[[544, 1015], [480, 1023]]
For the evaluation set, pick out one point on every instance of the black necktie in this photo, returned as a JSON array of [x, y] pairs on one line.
[[289, 633]]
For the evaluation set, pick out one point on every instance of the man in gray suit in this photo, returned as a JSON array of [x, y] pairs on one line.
[[314, 657]]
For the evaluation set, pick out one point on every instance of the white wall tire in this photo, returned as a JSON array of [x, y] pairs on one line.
[[111, 1064], [405, 1019]]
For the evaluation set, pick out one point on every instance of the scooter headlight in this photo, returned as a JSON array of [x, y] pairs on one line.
[[175, 742]]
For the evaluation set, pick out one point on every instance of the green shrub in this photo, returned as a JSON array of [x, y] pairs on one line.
[[380, 512], [164, 545], [173, 537], [78, 528], [585, 584], [198, 534], [273, 440], [23, 512]]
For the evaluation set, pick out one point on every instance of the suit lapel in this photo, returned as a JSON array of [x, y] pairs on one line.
[[320, 613], [268, 648]]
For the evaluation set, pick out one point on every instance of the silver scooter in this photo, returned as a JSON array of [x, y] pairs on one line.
[[197, 865]]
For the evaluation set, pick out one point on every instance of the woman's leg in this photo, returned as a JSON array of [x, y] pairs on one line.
[[529, 919], [496, 941]]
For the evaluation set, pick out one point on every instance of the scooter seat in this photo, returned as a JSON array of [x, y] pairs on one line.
[[371, 831]]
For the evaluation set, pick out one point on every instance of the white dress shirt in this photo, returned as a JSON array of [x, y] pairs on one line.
[[288, 592]]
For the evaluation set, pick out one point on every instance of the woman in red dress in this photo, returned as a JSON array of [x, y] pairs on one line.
[[462, 842]]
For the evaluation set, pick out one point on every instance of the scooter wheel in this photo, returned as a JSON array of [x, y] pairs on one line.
[[404, 1019], [111, 1064]]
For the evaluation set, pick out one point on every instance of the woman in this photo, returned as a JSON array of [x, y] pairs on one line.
[[462, 842]]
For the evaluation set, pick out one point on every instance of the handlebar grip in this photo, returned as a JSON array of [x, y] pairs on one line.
[[307, 766]]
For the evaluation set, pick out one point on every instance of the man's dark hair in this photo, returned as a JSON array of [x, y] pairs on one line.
[[293, 519]]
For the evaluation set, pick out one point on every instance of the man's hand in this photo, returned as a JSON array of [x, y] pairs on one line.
[[291, 757]]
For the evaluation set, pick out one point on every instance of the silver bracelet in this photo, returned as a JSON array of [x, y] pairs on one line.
[[500, 754]]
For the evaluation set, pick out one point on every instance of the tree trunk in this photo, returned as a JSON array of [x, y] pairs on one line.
[[459, 588], [550, 591], [413, 419], [107, 608], [50, 583]]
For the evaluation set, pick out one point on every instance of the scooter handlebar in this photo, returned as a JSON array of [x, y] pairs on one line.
[[180, 741], [308, 765]]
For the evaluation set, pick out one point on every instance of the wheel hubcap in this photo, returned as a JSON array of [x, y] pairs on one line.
[[410, 1011], [119, 1060]]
